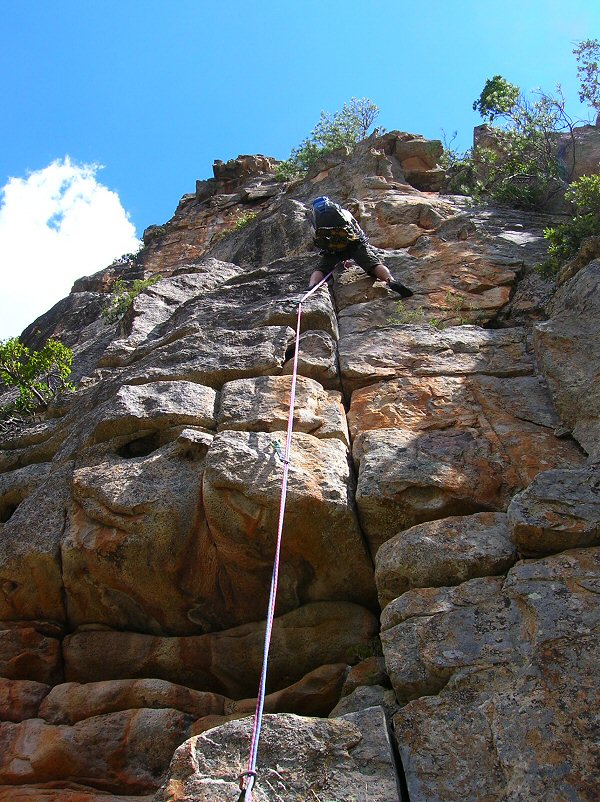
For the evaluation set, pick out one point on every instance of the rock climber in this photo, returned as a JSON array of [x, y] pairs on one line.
[[341, 239]]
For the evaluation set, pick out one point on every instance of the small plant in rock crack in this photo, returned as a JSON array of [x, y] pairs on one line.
[[122, 296], [402, 315], [243, 219], [456, 303]]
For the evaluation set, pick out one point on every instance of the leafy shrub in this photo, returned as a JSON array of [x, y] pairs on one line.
[[123, 294], [243, 219], [519, 165], [402, 315], [39, 376], [453, 302], [566, 238], [344, 128], [498, 98], [587, 53]]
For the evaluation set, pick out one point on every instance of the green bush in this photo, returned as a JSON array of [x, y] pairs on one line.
[[123, 294], [520, 166], [566, 238], [243, 219], [39, 376], [344, 128], [587, 53]]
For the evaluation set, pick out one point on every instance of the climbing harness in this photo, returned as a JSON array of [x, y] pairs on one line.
[[248, 777]]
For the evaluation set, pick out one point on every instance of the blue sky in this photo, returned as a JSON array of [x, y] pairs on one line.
[[155, 90]]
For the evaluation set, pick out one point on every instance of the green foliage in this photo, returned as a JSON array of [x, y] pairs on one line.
[[344, 128], [38, 375], [566, 238], [453, 302], [587, 54], [243, 219], [517, 164], [402, 315], [128, 259], [498, 98], [123, 294]]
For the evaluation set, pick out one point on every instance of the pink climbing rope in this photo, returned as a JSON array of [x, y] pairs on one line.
[[248, 777]]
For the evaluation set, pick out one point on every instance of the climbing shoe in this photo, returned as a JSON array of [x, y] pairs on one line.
[[402, 291]]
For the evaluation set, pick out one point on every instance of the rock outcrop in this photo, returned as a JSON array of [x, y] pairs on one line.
[[444, 475]]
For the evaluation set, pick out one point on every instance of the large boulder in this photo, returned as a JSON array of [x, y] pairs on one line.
[[441, 553], [559, 510], [300, 759], [129, 750], [502, 678], [241, 491]]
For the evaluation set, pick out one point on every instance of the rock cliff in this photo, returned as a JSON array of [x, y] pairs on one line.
[[437, 621]]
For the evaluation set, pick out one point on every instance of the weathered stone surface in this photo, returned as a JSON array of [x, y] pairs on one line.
[[398, 220], [540, 603], [226, 662], [17, 485], [581, 152], [415, 147], [317, 359], [284, 229], [30, 571], [315, 694], [262, 405], [515, 416], [71, 702], [370, 671], [134, 542], [156, 406], [35, 444], [436, 446], [559, 510], [365, 697], [129, 750], [445, 552], [194, 358], [242, 167], [429, 601], [406, 478], [568, 350], [153, 311], [28, 654], [531, 734], [241, 492], [20, 699], [300, 758], [444, 423], [392, 351]]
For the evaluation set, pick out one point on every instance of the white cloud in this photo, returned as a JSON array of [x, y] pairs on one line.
[[56, 225]]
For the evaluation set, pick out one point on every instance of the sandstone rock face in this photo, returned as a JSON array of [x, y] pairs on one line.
[[226, 662], [445, 552], [302, 757], [503, 668], [568, 350], [431, 450], [559, 510]]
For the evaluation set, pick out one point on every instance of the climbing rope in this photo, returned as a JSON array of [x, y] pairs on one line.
[[248, 777]]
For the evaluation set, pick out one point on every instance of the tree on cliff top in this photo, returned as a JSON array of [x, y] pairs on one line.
[[344, 128], [587, 53]]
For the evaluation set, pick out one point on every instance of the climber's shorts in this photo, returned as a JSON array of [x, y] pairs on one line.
[[363, 254]]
